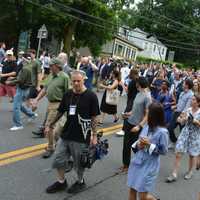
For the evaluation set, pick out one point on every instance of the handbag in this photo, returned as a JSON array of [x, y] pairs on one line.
[[112, 97]]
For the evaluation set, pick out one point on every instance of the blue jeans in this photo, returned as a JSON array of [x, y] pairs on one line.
[[19, 98]]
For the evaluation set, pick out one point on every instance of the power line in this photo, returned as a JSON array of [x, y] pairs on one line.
[[106, 28], [177, 22], [98, 18], [81, 12]]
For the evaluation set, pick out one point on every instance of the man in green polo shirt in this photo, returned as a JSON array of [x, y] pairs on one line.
[[36, 77], [56, 86]]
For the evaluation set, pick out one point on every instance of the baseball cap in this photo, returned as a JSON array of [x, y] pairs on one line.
[[56, 61], [9, 52]]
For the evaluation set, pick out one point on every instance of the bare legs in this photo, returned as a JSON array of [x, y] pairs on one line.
[[177, 164], [191, 163], [132, 194], [142, 195]]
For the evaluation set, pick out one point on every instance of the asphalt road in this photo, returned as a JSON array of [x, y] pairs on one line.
[[27, 179]]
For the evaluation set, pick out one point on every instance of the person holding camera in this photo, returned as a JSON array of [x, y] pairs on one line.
[[79, 131], [145, 164], [189, 139]]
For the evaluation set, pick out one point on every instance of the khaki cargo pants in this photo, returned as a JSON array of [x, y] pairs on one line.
[[54, 134]]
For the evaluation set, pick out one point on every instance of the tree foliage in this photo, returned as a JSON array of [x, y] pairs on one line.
[[61, 20], [161, 17]]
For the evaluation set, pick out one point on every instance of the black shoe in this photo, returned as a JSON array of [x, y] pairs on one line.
[[48, 154], [77, 187], [56, 187], [39, 133], [116, 120]]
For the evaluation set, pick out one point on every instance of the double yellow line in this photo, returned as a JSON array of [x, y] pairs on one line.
[[29, 152]]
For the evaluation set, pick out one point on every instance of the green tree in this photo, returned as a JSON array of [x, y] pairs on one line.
[[64, 22], [151, 17]]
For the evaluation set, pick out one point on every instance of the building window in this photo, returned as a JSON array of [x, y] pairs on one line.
[[133, 54], [146, 46], [126, 33], [128, 51], [119, 50], [163, 51], [154, 48]]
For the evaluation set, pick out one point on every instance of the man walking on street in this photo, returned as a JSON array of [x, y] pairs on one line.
[[9, 70], [36, 77], [82, 108], [24, 82], [55, 88]]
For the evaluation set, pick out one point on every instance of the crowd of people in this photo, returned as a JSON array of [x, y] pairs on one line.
[[162, 111]]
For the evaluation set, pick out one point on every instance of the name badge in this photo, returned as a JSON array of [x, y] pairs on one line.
[[72, 109]]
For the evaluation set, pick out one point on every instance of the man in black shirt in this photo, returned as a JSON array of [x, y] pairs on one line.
[[82, 108], [9, 70]]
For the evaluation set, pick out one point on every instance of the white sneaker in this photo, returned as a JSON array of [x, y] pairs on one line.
[[16, 128], [120, 133], [188, 175], [31, 119]]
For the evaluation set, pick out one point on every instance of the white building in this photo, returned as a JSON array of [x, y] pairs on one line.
[[152, 47], [121, 48]]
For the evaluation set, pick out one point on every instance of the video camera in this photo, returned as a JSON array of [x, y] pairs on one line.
[[94, 152]]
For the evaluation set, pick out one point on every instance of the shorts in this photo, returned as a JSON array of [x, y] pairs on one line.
[[65, 152], [7, 90]]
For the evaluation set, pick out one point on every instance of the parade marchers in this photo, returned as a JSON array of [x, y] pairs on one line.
[[159, 98]]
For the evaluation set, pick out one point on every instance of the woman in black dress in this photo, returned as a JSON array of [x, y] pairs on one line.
[[105, 108]]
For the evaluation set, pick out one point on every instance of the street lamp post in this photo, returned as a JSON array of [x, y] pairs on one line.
[[42, 34]]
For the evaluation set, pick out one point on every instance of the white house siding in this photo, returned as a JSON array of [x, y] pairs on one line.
[[150, 45], [120, 49]]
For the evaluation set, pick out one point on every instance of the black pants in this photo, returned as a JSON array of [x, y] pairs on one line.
[[129, 139], [173, 124]]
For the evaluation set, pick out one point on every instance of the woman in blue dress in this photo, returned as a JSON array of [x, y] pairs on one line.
[[156, 84], [145, 164], [167, 100]]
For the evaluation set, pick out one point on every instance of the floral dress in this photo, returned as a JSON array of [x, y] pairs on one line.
[[189, 139]]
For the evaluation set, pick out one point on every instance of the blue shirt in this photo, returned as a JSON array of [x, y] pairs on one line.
[[184, 101]]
